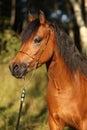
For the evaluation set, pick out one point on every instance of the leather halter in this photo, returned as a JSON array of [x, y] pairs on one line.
[[37, 60]]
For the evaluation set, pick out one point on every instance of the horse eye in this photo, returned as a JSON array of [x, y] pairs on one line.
[[37, 40]]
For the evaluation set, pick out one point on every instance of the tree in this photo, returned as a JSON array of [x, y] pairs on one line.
[[81, 21], [13, 12]]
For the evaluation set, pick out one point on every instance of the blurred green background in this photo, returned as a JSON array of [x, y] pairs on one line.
[[72, 16]]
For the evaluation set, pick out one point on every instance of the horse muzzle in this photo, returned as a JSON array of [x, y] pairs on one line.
[[18, 70]]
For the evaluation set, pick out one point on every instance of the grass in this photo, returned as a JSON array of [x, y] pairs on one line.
[[34, 113]]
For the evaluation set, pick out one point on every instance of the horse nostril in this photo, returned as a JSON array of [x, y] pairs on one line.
[[16, 67]]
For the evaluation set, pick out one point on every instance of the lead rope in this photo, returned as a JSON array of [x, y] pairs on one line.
[[23, 95], [20, 109]]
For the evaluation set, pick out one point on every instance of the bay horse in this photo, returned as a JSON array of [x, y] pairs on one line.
[[45, 42]]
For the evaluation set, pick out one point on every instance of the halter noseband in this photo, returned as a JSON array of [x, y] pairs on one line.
[[27, 54]]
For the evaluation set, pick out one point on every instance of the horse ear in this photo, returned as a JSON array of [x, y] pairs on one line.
[[42, 17], [30, 17]]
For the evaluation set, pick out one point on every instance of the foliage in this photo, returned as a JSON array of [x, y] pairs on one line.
[[9, 44]]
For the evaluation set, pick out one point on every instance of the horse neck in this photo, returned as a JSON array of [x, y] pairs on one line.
[[57, 69]]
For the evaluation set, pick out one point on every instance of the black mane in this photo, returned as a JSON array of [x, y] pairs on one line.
[[68, 50], [29, 30]]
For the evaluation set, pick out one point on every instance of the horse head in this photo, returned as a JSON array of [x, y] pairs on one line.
[[37, 46]]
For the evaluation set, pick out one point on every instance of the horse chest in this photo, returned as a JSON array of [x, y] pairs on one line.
[[61, 104], [56, 99]]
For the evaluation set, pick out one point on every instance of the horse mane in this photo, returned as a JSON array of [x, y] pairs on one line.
[[68, 50], [29, 30]]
